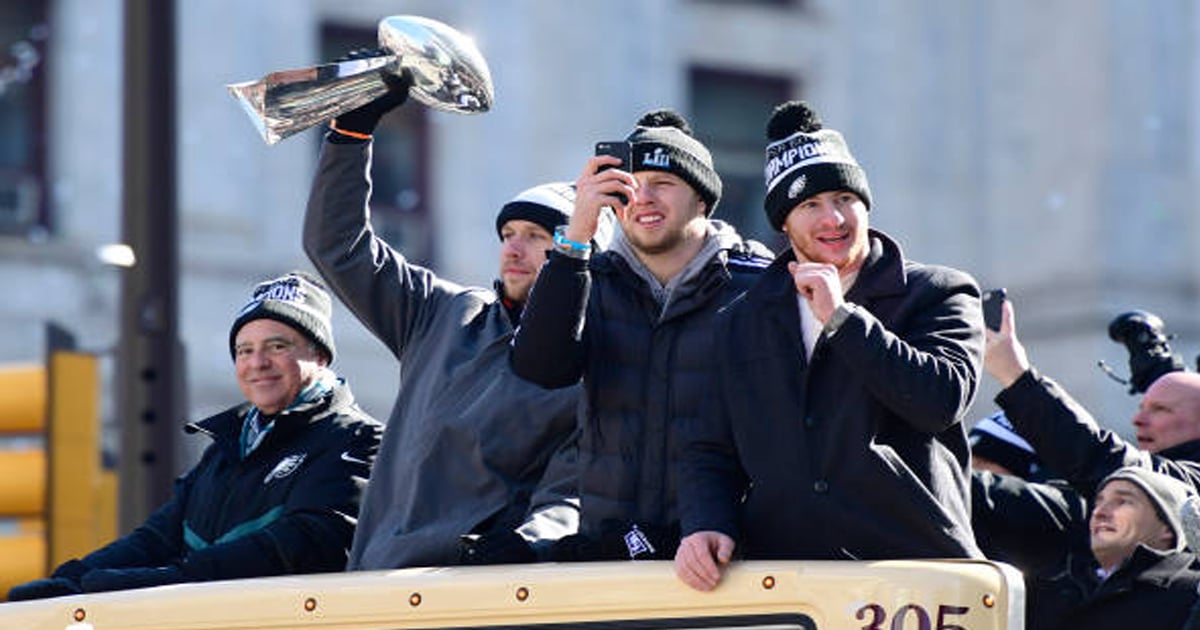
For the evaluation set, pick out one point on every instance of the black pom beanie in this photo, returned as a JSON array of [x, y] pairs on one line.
[[663, 141], [804, 159]]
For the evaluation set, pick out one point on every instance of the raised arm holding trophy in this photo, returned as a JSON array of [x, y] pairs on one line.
[[476, 464]]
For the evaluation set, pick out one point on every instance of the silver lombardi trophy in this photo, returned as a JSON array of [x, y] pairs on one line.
[[448, 74]]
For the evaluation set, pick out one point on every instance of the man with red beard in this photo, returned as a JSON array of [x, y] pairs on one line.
[[834, 429], [635, 322]]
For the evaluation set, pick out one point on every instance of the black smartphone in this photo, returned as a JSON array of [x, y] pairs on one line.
[[993, 304], [620, 149]]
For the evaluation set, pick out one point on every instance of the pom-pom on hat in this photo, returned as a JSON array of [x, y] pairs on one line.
[[804, 159], [297, 299], [663, 141]]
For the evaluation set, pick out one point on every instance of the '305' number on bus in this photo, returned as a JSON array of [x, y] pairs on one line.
[[900, 620]]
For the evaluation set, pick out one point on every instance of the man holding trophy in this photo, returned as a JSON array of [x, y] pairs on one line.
[[471, 451]]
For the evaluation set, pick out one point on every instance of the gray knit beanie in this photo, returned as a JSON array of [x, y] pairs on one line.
[[1166, 493]]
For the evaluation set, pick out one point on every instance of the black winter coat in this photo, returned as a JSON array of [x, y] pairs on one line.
[[1151, 589], [289, 507], [1042, 529], [859, 453]]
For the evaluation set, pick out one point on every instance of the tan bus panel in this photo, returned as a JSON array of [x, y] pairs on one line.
[[886, 595]]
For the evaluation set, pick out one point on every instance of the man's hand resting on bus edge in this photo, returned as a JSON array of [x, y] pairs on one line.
[[701, 557]]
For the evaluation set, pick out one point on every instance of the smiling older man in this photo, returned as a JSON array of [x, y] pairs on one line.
[[278, 491]]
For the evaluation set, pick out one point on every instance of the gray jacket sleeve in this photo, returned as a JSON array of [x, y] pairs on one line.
[[390, 296]]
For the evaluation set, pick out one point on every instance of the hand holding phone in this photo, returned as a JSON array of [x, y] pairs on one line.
[[619, 149], [993, 308]]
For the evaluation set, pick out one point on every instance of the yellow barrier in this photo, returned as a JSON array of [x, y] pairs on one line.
[[22, 553], [74, 443], [23, 482], [50, 473], [23, 398]]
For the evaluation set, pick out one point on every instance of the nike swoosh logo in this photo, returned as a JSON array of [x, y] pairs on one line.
[[347, 457]]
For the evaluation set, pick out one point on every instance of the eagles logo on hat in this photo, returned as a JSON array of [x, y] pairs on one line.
[[297, 299], [804, 159]]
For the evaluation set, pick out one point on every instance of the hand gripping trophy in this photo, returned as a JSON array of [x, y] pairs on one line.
[[448, 73]]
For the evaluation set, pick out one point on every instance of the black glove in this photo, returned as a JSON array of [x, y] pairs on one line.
[[574, 548], [99, 580], [366, 117], [72, 569], [496, 547], [43, 588], [64, 581]]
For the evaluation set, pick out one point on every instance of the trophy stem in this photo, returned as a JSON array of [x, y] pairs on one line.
[[287, 102]]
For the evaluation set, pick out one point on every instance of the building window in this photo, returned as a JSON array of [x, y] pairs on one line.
[[400, 179], [730, 112], [23, 34]]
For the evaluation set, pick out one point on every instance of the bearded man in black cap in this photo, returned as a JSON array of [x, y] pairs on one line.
[[278, 490], [635, 323], [472, 452], [834, 431]]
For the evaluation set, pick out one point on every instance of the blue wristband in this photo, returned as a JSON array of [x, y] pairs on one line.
[[561, 240]]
